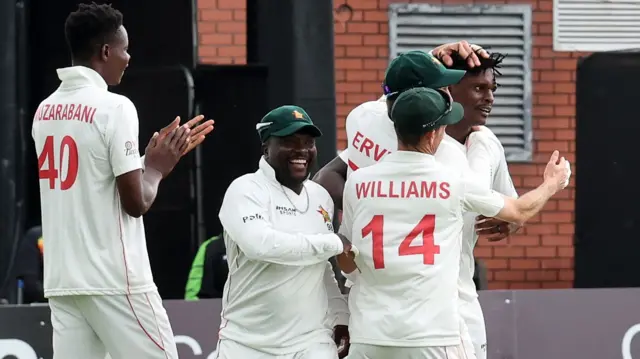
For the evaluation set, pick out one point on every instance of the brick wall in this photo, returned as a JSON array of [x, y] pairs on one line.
[[222, 31], [541, 255]]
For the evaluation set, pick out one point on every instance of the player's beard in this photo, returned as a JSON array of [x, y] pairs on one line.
[[291, 177]]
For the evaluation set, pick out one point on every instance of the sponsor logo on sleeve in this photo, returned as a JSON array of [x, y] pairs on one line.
[[130, 148], [251, 217]]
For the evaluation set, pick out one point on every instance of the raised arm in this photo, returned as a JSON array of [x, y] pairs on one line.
[[137, 189], [245, 217], [491, 204], [465, 49]]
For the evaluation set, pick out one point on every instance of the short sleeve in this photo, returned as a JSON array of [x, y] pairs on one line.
[[480, 199], [122, 139], [487, 159]]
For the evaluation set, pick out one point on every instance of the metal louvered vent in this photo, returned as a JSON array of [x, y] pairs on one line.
[[596, 25], [505, 29]]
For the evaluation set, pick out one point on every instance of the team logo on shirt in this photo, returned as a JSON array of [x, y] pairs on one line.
[[326, 217], [325, 214], [130, 148]]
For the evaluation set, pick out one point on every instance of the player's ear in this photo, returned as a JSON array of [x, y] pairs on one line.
[[265, 150], [104, 52]]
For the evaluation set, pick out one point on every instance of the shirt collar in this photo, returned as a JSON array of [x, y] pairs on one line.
[[266, 169], [409, 157], [80, 76], [454, 142]]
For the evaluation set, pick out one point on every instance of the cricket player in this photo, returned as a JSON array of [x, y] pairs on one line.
[[93, 191], [486, 159], [405, 214], [279, 236], [429, 73], [371, 136], [370, 131]]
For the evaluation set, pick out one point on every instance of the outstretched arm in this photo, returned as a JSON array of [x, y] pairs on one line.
[[245, 217]]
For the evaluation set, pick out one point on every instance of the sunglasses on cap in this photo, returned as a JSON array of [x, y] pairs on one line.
[[448, 100]]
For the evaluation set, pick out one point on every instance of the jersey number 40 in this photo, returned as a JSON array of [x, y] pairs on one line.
[[48, 156], [428, 249]]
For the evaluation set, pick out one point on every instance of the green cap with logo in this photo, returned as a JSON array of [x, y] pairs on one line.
[[285, 121], [420, 110], [418, 69]]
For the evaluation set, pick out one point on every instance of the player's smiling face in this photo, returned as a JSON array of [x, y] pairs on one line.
[[291, 157], [475, 93], [116, 57]]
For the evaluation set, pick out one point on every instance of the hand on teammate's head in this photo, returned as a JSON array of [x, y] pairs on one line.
[[163, 153], [464, 49], [558, 171]]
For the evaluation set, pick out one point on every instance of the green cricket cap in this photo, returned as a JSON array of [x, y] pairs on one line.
[[420, 110], [285, 121], [418, 69]]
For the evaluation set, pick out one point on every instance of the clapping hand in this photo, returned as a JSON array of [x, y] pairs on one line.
[[197, 134]]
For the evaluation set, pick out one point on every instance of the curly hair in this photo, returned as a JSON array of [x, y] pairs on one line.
[[90, 27], [493, 63]]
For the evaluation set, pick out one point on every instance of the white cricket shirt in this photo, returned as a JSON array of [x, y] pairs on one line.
[[404, 215], [281, 290], [371, 136], [85, 137], [486, 159]]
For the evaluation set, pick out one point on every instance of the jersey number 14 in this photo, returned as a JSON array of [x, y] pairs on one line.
[[428, 249], [67, 146]]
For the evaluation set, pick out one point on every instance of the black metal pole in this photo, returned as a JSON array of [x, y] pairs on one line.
[[9, 116], [252, 32]]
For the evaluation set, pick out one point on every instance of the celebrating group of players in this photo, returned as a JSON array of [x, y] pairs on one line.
[[418, 171]]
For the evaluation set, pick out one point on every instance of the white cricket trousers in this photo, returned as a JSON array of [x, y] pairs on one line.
[[471, 313], [124, 326], [366, 351], [229, 349]]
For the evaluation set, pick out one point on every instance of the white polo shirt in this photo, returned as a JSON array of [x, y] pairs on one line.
[[486, 159], [85, 137], [281, 288], [404, 214], [371, 136]]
